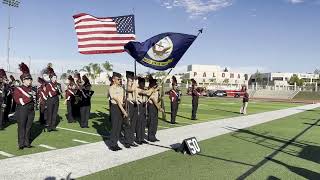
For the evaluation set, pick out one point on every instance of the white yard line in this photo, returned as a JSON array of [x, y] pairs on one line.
[[83, 132], [80, 141], [47, 147], [91, 158], [6, 155]]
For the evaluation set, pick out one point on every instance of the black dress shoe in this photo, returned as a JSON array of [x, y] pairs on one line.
[[144, 142], [21, 148], [139, 142], [133, 145], [113, 148], [156, 139], [1, 128], [118, 148], [126, 145]]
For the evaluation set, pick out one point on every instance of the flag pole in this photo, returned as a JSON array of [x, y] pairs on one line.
[[135, 61]]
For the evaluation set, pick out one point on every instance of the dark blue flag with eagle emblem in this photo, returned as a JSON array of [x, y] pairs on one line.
[[162, 51]]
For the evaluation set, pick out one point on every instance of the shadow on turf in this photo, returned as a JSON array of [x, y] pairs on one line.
[[308, 174], [101, 122], [308, 152], [176, 148]]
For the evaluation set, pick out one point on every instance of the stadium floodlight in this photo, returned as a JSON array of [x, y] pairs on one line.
[[10, 3]]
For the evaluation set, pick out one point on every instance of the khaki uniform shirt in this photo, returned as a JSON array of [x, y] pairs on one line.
[[116, 92]]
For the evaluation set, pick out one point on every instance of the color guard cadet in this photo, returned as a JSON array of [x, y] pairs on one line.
[[3, 98], [142, 119], [117, 112], [245, 101], [53, 100], [153, 108], [42, 101], [24, 97], [69, 98], [85, 104], [132, 109], [195, 99], [174, 95]]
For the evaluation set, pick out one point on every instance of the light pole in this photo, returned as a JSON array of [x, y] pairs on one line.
[[10, 3]]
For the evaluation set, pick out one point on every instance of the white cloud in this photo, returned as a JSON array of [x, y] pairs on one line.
[[296, 1], [197, 8]]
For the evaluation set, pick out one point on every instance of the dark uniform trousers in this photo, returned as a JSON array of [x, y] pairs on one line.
[[116, 122], [43, 113], [131, 129], [2, 121], [24, 116], [84, 115], [69, 111], [174, 110], [8, 108], [53, 105], [141, 122], [194, 106], [153, 121]]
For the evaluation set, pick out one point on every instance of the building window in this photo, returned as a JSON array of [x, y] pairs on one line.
[[238, 76], [204, 74], [203, 80], [194, 74], [231, 75], [223, 74], [213, 75]]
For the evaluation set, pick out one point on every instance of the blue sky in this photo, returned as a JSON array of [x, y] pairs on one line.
[[246, 35]]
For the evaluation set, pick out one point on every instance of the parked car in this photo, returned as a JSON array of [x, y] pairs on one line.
[[220, 93]]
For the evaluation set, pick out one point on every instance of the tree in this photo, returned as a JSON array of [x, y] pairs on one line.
[[63, 76], [88, 70], [294, 79], [108, 67], [226, 81], [159, 74], [258, 77], [316, 71], [213, 80], [96, 70]]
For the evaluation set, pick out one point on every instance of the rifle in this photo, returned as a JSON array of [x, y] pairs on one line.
[[126, 119], [35, 96]]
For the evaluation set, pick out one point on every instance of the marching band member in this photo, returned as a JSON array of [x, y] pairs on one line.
[[174, 95], [85, 104], [42, 101], [3, 98], [24, 97], [69, 98], [53, 100], [195, 99]]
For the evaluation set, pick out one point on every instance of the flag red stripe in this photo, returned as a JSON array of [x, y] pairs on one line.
[[89, 20], [95, 26], [105, 38], [102, 51], [100, 45], [96, 32]]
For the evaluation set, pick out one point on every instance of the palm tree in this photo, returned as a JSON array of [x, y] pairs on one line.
[[96, 70], [88, 70], [107, 67]]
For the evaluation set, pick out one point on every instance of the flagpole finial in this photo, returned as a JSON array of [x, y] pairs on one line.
[[200, 31]]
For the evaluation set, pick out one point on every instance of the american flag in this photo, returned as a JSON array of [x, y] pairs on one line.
[[98, 35]]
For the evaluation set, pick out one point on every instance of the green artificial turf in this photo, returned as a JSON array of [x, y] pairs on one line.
[[287, 148], [209, 109]]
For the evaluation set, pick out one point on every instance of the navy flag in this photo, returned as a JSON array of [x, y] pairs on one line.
[[162, 51]]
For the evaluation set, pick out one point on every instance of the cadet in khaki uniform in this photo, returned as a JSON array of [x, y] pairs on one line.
[[153, 108], [141, 121], [132, 109], [117, 112]]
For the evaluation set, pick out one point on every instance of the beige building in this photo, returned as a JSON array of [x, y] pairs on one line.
[[213, 75]]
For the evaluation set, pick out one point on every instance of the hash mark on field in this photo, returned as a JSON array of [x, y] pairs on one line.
[[46, 146], [80, 141], [6, 154], [94, 134]]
